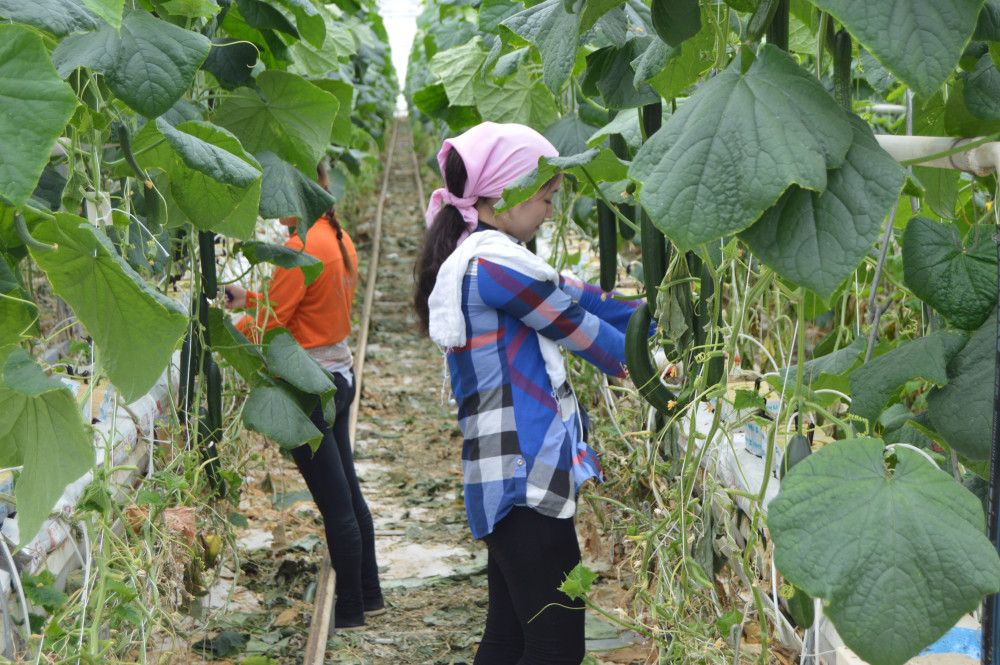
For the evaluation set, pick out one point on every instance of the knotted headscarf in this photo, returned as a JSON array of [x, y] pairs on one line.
[[495, 155]]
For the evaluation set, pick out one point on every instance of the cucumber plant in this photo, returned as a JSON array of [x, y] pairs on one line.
[[767, 172], [141, 138]]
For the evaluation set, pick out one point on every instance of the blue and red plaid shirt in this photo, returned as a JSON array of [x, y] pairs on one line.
[[524, 441]]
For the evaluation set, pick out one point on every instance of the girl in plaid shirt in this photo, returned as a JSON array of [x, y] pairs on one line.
[[501, 313]]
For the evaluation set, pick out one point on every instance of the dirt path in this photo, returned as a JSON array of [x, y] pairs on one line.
[[408, 458], [407, 447]]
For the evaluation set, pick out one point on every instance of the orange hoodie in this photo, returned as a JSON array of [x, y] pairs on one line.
[[318, 314]]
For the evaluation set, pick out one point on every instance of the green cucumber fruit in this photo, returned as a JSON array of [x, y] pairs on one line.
[[607, 244], [797, 450], [842, 68], [206, 251], [640, 366]]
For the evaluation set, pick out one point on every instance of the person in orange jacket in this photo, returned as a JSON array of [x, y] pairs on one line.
[[318, 316]]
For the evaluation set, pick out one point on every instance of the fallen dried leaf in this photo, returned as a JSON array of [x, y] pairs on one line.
[[181, 520]]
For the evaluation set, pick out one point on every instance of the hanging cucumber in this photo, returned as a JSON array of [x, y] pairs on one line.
[[800, 606], [761, 19], [777, 30], [654, 257], [155, 210], [21, 227], [607, 243], [190, 368], [842, 48], [716, 364], [206, 252], [209, 440], [654, 244], [652, 118], [620, 148], [640, 366], [213, 393], [798, 449]]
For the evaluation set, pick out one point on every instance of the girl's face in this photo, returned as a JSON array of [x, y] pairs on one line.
[[523, 220]]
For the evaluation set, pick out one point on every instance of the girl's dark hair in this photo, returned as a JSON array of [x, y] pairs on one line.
[[440, 239], [331, 218]]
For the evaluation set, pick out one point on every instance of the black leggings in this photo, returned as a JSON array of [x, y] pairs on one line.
[[529, 556], [350, 535]]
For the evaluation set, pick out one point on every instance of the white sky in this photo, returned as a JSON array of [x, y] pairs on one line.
[[400, 18]]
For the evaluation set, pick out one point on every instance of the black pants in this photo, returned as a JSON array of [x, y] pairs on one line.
[[350, 535], [529, 556]]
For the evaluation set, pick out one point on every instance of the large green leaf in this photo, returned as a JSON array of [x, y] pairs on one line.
[[287, 192], [285, 115], [962, 411], [231, 62], [155, 63], [312, 60], [593, 10], [899, 554], [211, 177], [458, 67], [433, 102], [609, 72], [18, 314], [817, 239], [310, 21], [344, 92], [730, 151], [826, 371], [520, 99], [43, 430], [231, 344], [135, 328], [263, 16], [625, 123], [96, 50], [276, 414], [191, 8], [959, 282], [615, 25], [149, 65], [982, 90], [592, 165], [988, 25], [288, 360], [940, 189], [959, 120], [258, 252], [569, 135], [36, 107], [554, 31], [60, 17], [676, 20], [920, 41], [873, 384], [109, 10], [671, 71], [493, 12]]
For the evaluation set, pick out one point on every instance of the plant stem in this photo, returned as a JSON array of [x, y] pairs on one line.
[[621, 218], [875, 313]]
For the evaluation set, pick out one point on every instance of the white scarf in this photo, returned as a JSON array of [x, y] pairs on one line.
[[447, 324]]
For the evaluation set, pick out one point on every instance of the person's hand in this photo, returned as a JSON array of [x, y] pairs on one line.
[[236, 296]]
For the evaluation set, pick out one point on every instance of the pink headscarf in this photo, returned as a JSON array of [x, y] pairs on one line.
[[495, 155]]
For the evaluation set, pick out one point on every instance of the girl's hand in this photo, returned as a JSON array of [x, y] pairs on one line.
[[236, 296]]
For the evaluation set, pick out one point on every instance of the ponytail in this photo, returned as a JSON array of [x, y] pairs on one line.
[[331, 218], [350, 268], [440, 239]]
